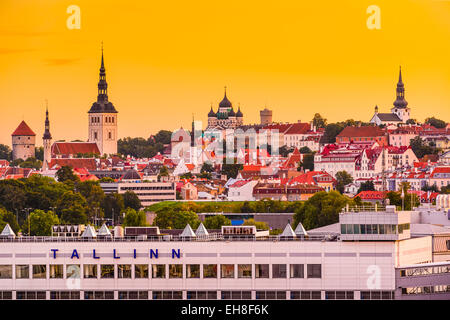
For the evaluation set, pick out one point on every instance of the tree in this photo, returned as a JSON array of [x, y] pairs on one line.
[[75, 214], [331, 131], [106, 180], [420, 148], [285, 150], [307, 163], [112, 205], [432, 188], [170, 218], [231, 170], [320, 210], [31, 163], [65, 174], [216, 222], [7, 217], [260, 225], [366, 186], [247, 208], [318, 121], [163, 137], [131, 200], [305, 150], [134, 218], [437, 123], [39, 153], [5, 152], [163, 172], [40, 223], [207, 167], [411, 121], [343, 178]]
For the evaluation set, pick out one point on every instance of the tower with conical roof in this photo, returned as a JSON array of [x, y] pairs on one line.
[[400, 104], [47, 143], [103, 118], [23, 142]]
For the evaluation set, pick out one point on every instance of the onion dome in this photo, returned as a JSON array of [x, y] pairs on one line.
[[231, 113], [239, 113], [225, 103], [211, 113]]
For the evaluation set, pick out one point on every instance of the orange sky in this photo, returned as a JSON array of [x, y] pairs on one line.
[[168, 59]]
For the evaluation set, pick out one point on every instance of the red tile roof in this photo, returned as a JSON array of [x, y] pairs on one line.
[[23, 130], [370, 195], [298, 128], [89, 164], [365, 131], [67, 148]]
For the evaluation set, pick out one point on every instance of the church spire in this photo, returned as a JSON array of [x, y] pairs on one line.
[[400, 101], [102, 85], [47, 135]]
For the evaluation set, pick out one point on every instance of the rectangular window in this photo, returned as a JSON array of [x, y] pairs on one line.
[[175, 271], [314, 270], [297, 271], [141, 271], [22, 271], [192, 271], [210, 271], [39, 271], [90, 271], [5, 271], [381, 229], [158, 271], [261, 270], [244, 270], [349, 229], [363, 228], [73, 271], [107, 271], [124, 271], [356, 229], [227, 271], [278, 271]]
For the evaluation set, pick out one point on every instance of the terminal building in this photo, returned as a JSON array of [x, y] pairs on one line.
[[369, 254]]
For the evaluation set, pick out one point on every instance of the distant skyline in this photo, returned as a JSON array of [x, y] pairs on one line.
[[167, 61]]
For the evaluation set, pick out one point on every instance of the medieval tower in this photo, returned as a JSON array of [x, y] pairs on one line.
[[47, 143], [23, 142], [103, 118]]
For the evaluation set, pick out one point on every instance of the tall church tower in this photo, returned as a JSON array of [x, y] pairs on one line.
[[103, 118], [400, 104], [47, 142]]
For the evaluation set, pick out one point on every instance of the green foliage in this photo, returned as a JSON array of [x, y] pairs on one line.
[[343, 178], [420, 148], [39, 153], [5, 152], [445, 190], [366, 186], [187, 175], [437, 123], [216, 222], [307, 163], [144, 148], [231, 170], [320, 210], [260, 225], [411, 121], [31, 163], [75, 214], [174, 219], [112, 205], [7, 217], [163, 172], [305, 150], [432, 188], [131, 200], [106, 180], [40, 223], [318, 121], [410, 199], [207, 167], [65, 174], [284, 151], [16, 163], [134, 218]]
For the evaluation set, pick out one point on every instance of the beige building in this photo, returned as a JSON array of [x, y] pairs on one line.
[[266, 116], [23, 142], [103, 118]]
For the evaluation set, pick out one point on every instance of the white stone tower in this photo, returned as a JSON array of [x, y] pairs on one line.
[[103, 118], [23, 142]]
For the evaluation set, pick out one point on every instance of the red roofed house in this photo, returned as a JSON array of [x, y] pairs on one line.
[[23, 142], [242, 190], [440, 177], [318, 178], [72, 149], [362, 134], [280, 192], [371, 196]]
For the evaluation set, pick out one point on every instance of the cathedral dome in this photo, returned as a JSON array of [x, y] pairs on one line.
[[239, 114], [211, 113], [225, 103], [231, 113]]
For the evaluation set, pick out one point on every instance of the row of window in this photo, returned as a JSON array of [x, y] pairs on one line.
[[148, 188], [98, 119], [413, 272], [212, 295], [159, 271], [374, 228], [427, 289]]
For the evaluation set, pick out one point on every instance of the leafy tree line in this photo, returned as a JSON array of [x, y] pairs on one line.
[[35, 200], [144, 148]]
